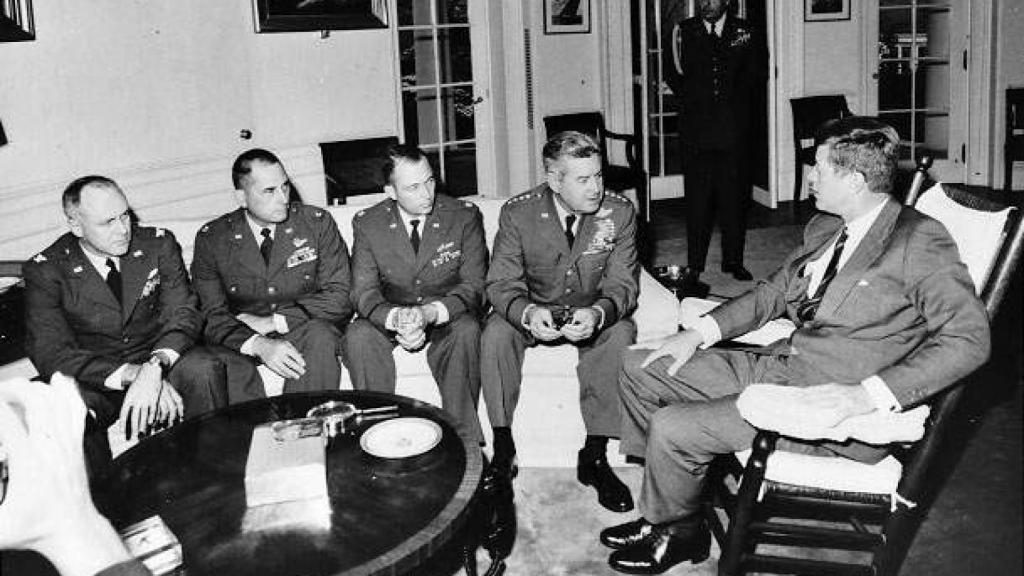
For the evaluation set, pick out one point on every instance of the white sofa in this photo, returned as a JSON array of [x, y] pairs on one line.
[[548, 427]]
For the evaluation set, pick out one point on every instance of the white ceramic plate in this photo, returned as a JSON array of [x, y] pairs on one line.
[[401, 437]]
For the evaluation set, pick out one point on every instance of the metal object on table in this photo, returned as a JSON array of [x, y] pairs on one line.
[[338, 417]]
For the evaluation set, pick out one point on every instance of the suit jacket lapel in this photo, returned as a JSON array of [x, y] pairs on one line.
[[247, 250], [88, 282], [283, 247], [869, 249], [550, 227], [136, 266], [399, 236], [434, 228]]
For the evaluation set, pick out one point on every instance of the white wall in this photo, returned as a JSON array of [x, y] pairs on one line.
[[833, 59], [149, 91]]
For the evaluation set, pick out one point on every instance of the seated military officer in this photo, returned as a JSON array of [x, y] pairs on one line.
[[418, 266], [109, 304], [273, 280], [564, 268]]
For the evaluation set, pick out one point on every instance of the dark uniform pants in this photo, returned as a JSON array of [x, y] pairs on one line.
[[453, 355], [503, 347], [715, 182]]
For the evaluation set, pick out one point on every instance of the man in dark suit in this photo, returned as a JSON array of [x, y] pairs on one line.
[[110, 305], [886, 317], [418, 265], [564, 268], [273, 281], [719, 60]]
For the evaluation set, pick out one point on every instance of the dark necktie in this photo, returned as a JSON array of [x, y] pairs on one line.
[[114, 279], [414, 236], [267, 245], [570, 219], [809, 307]]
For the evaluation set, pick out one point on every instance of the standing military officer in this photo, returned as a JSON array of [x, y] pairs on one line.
[[418, 266], [109, 304], [565, 252], [273, 280]]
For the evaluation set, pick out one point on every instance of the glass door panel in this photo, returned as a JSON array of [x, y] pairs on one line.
[[438, 98]]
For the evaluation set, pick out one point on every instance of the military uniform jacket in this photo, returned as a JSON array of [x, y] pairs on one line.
[[76, 325], [715, 80], [307, 278], [450, 267], [532, 261]]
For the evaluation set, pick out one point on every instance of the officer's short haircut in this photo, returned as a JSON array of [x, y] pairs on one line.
[[569, 144], [72, 196], [399, 154], [242, 167]]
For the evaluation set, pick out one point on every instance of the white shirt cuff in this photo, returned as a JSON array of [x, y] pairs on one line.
[[172, 356], [248, 345], [526, 314], [600, 317], [881, 396], [442, 312], [389, 322], [115, 380], [708, 329], [280, 324]]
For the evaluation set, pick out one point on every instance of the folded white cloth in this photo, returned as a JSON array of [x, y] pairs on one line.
[[783, 410]]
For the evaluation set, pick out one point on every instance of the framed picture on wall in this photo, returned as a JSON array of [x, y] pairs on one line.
[[312, 15], [16, 23], [826, 10], [566, 16]]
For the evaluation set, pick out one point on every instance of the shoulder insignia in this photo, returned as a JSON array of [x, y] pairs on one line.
[[468, 204], [205, 228], [159, 232], [361, 213], [137, 254], [318, 213], [39, 258], [77, 269]]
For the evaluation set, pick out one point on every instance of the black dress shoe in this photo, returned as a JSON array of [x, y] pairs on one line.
[[626, 535], [738, 272], [661, 550], [690, 284], [501, 471], [611, 492]]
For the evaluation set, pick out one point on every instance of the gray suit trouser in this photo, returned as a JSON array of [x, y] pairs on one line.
[[680, 423], [453, 356], [503, 347]]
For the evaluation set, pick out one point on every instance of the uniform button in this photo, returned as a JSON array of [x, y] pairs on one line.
[[271, 290], [568, 290], [233, 288], [273, 306], [126, 339], [568, 272], [418, 282], [419, 298]]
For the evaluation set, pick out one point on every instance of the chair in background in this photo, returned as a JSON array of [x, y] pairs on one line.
[[1013, 143], [809, 113], [880, 521]]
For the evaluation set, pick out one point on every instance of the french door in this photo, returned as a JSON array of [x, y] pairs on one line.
[[443, 97], [919, 78]]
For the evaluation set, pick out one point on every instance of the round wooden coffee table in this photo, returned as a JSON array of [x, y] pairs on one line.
[[385, 516]]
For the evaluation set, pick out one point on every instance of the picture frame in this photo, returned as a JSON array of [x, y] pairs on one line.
[[566, 16], [318, 15], [16, 22], [826, 10]]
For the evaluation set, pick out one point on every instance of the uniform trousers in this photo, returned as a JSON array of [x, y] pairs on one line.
[[502, 348], [316, 341], [453, 354], [680, 423], [715, 182], [199, 376]]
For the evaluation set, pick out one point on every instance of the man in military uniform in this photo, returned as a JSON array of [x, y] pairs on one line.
[[418, 266], [564, 269], [273, 280], [719, 61], [109, 304]]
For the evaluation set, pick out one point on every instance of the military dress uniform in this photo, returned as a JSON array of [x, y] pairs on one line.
[[533, 263], [714, 80], [76, 325], [450, 267], [306, 281]]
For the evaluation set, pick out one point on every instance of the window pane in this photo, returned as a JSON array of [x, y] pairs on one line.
[[420, 117], [452, 12], [414, 12], [459, 113], [456, 61], [460, 169], [417, 58]]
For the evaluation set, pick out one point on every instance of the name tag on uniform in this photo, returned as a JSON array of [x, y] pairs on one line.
[[301, 256]]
